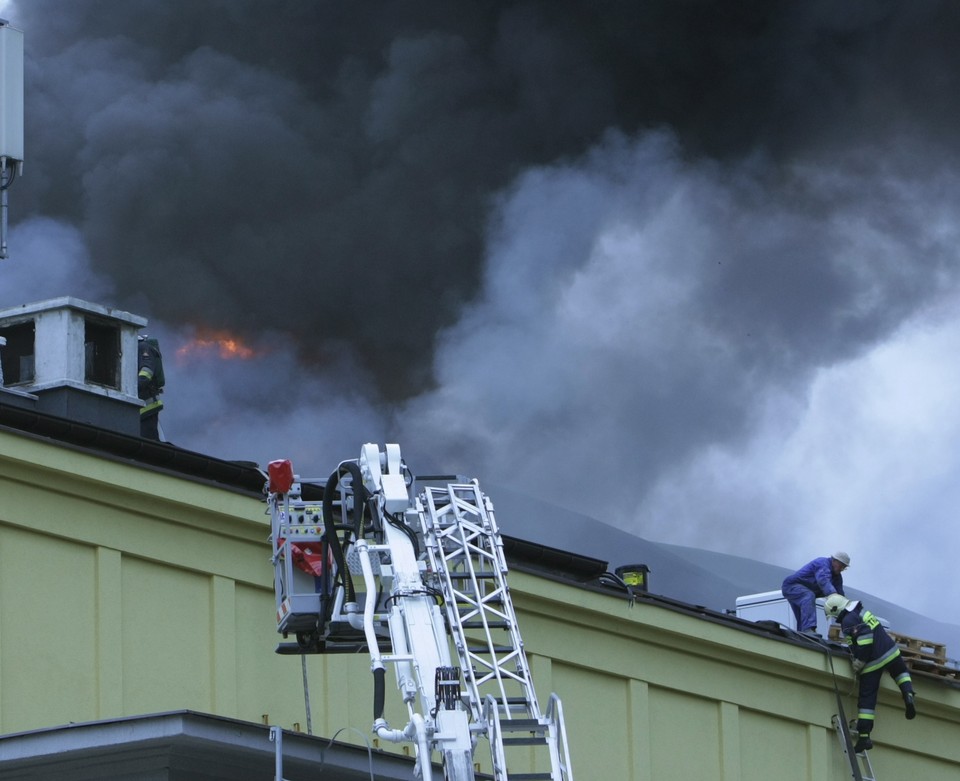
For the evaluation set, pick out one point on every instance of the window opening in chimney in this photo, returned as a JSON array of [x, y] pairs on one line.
[[18, 355], [101, 346]]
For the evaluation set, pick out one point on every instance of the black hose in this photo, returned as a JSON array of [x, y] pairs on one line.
[[394, 521], [841, 713], [12, 177], [360, 501], [379, 692], [330, 532], [360, 496]]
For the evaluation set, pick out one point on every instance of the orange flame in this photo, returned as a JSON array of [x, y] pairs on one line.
[[226, 345]]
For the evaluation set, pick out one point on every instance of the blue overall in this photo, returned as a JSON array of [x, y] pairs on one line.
[[812, 580]]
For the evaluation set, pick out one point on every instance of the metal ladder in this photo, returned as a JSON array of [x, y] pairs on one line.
[[860, 767], [465, 555]]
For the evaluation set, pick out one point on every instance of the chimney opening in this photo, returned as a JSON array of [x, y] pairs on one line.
[[18, 355], [101, 346]]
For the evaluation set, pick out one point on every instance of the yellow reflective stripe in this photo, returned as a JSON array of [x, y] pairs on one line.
[[889, 656], [151, 407]]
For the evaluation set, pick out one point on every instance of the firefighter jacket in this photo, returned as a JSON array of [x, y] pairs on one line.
[[149, 384], [869, 641], [818, 576]]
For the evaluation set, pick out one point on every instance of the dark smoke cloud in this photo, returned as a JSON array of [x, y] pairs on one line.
[[627, 256], [327, 169]]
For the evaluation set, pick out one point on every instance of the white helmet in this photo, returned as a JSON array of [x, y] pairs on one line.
[[834, 605]]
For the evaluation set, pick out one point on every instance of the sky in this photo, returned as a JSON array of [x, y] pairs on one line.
[[690, 268]]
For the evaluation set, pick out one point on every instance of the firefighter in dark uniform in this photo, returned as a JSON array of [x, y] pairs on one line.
[[149, 386], [873, 652]]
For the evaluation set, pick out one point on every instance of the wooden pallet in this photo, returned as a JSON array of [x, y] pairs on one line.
[[915, 649], [921, 655], [933, 670]]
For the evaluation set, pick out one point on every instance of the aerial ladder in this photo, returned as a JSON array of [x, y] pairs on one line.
[[412, 570]]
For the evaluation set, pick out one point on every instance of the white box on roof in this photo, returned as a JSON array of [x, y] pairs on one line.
[[773, 606]]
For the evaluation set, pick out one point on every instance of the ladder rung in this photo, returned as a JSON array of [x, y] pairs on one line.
[[467, 575], [511, 704], [522, 725], [481, 624], [514, 703], [531, 741], [486, 649], [517, 777]]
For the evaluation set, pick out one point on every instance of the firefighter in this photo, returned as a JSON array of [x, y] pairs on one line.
[[149, 386], [818, 578], [873, 652]]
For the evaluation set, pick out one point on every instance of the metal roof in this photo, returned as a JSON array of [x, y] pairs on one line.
[[187, 746]]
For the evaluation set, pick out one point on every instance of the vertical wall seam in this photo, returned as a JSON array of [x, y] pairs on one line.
[[639, 747], [109, 634], [730, 762], [818, 753], [223, 645]]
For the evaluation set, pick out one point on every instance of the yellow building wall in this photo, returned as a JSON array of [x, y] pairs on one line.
[[127, 591]]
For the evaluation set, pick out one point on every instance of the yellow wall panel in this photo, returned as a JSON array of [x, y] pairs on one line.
[[595, 710], [166, 639], [684, 736], [770, 743], [47, 643], [264, 679]]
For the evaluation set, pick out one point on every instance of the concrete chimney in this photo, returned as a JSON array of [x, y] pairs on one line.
[[73, 359]]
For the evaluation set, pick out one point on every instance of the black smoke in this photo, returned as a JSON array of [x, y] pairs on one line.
[[327, 169]]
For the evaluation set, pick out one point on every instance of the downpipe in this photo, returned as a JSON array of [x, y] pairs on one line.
[[365, 622]]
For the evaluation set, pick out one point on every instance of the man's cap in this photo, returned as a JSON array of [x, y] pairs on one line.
[[842, 557]]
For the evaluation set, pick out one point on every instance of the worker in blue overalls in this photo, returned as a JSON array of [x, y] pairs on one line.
[[818, 578], [873, 652]]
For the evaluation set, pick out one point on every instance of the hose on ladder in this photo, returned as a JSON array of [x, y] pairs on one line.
[[841, 714]]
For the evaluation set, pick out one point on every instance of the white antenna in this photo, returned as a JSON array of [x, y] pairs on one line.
[[11, 118]]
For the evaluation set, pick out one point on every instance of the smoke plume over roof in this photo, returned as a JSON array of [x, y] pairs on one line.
[[690, 268]]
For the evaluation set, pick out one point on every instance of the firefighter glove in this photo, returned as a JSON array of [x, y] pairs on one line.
[[857, 665]]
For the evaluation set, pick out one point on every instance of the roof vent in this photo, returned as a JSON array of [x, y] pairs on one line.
[[74, 359]]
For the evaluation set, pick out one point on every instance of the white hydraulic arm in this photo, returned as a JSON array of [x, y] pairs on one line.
[[418, 579]]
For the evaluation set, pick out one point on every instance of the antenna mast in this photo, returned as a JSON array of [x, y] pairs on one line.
[[11, 118]]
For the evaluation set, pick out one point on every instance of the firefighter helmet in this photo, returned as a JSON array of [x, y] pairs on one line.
[[834, 605]]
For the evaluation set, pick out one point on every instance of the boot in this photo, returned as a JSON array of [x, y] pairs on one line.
[[910, 708], [863, 744]]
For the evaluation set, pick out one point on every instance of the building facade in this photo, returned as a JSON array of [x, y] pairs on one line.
[[129, 587]]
